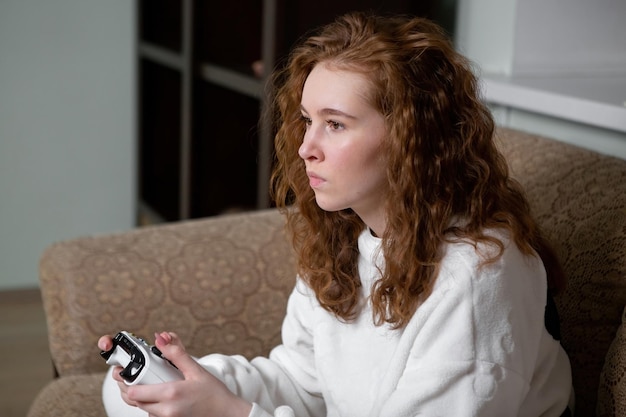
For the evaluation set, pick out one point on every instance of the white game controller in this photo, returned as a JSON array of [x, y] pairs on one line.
[[143, 364]]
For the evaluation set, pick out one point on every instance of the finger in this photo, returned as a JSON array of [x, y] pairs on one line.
[[105, 343], [142, 395], [128, 400], [123, 387], [173, 349], [116, 374]]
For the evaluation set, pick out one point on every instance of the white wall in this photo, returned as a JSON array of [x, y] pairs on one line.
[[562, 37], [67, 123], [485, 33], [551, 67], [570, 37]]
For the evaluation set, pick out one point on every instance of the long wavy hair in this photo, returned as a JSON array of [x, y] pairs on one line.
[[442, 161]]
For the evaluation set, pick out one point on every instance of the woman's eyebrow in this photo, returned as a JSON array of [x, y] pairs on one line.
[[335, 112], [330, 112]]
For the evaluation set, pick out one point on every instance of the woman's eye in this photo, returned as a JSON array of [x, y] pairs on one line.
[[306, 120], [334, 125]]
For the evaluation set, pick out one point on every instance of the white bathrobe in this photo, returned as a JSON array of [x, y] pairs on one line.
[[477, 346]]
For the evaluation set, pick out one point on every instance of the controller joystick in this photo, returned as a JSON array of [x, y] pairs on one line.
[[142, 363]]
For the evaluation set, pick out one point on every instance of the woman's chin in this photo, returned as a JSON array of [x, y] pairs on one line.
[[327, 205]]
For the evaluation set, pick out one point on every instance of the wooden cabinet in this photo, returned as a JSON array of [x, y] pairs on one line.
[[202, 147]]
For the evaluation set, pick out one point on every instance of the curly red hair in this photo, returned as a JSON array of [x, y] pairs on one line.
[[443, 165]]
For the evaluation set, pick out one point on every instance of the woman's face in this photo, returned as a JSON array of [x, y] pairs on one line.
[[342, 144]]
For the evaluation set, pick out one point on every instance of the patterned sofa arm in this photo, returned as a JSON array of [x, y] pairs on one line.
[[221, 283]]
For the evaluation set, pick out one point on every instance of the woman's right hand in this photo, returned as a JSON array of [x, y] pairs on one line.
[[105, 343], [200, 393]]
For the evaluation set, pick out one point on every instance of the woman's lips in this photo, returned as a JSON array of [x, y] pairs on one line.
[[314, 180]]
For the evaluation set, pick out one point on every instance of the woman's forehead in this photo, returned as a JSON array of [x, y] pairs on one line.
[[328, 85]]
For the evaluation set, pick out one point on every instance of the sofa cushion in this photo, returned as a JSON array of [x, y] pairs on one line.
[[70, 396]]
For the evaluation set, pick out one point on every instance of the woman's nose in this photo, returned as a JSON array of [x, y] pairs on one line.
[[309, 148]]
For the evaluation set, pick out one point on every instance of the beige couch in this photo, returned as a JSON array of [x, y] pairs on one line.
[[222, 282]]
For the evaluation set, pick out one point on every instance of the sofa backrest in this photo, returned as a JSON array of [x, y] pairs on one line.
[[221, 283], [579, 198]]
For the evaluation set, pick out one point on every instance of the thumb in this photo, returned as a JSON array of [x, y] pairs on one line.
[[173, 349]]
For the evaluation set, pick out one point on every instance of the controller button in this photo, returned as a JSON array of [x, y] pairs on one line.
[[157, 352]]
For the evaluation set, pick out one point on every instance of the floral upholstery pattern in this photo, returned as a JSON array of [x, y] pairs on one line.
[[611, 394], [71, 396], [222, 282]]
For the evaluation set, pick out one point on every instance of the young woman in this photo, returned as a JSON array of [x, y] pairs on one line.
[[424, 282]]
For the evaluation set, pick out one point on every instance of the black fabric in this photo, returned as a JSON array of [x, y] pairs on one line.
[[553, 325], [551, 318]]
